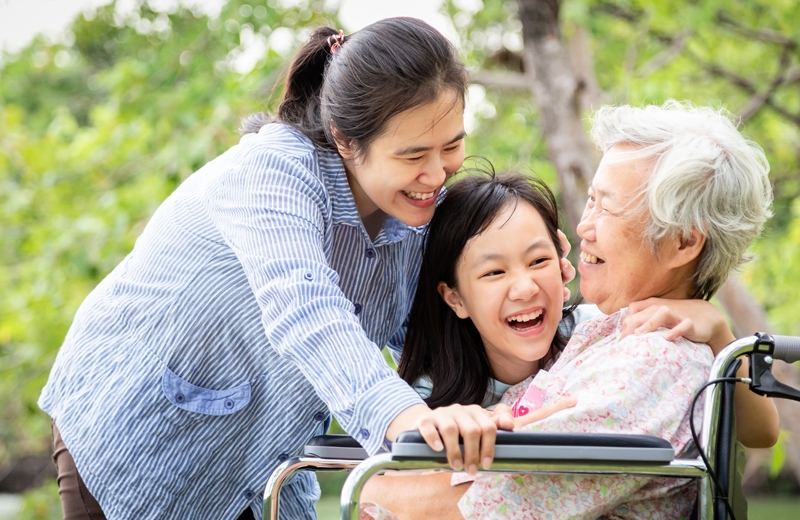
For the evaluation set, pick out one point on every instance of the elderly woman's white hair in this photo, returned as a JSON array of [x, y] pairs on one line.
[[706, 176]]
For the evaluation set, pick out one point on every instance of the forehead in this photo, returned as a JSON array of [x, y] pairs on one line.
[[618, 175], [443, 118], [515, 228]]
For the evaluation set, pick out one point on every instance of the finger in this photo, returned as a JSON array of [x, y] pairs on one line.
[[566, 247], [448, 431], [545, 412], [488, 437], [567, 270], [663, 317], [427, 428], [641, 305], [682, 329], [503, 417], [471, 428], [634, 320]]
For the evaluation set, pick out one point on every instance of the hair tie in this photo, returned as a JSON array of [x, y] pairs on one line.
[[335, 41]]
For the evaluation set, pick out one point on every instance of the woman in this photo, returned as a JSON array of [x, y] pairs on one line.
[[260, 293], [676, 200]]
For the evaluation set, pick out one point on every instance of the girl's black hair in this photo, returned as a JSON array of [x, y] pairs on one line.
[[439, 344], [386, 68]]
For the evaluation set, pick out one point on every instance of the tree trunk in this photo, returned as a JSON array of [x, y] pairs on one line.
[[557, 94]]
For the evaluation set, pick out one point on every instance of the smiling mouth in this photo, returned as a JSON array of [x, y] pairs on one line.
[[591, 259], [528, 321], [419, 195]]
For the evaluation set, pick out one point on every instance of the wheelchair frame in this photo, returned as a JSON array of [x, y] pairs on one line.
[[717, 440]]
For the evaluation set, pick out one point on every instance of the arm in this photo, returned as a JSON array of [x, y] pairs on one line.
[[757, 424], [270, 211]]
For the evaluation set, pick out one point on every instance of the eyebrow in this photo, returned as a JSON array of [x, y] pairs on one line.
[[539, 243], [604, 193], [417, 149]]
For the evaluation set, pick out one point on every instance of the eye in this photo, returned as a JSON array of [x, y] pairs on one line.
[[494, 272], [452, 149], [415, 159], [541, 260]]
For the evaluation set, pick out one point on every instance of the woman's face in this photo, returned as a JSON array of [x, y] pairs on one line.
[[509, 285], [617, 265], [405, 168]]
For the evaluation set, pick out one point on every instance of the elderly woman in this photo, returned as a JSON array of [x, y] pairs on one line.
[[678, 197]]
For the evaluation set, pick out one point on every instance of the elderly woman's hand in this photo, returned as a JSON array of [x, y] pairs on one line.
[[695, 320], [537, 415]]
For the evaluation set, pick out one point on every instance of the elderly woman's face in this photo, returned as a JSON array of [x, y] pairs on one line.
[[617, 266]]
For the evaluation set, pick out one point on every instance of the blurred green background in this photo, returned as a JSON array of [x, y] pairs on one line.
[[100, 124]]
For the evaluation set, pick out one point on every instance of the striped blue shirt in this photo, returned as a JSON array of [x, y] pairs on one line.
[[252, 306]]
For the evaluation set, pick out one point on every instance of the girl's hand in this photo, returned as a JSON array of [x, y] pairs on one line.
[[695, 320], [441, 428], [538, 415], [567, 269]]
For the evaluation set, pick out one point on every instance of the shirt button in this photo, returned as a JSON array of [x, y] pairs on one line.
[[249, 495], [370, 253], [309, 276], [282, 457], [364, 433], [180, 398], [319, 416], [357, 309], [228, 404]]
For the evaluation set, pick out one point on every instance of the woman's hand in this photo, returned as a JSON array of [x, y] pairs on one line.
[[476, 428], [567, 269], [442, 427], [695, 320], [538, 415]]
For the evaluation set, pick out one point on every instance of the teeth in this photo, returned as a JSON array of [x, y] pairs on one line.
[[589, 259], [525, 317], [419, 196]]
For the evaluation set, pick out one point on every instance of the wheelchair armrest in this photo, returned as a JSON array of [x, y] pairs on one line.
[[341, 447], [525, 446]]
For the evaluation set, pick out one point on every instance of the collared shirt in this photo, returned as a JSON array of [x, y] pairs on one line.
[[253, 304]]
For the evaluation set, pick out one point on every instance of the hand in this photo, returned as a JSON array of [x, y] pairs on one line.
[[538, 415], [695, 320], [567, 269], [441, 428]]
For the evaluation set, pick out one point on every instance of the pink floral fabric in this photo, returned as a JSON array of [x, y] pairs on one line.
[[638, 384]]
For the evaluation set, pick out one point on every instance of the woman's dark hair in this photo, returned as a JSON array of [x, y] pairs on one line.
[[439, 344], [386, 68]]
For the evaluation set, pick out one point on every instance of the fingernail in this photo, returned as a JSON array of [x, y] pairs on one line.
[[473, 470], [437, 446], [457, 465], [487, 463]]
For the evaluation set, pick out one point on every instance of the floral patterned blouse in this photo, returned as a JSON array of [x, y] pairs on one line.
[[638, 384]]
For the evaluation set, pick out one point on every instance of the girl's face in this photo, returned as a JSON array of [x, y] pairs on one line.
[[509, 285], [404, 169]]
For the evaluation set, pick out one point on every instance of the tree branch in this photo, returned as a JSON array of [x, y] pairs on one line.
[[765, 35], [501, 79]]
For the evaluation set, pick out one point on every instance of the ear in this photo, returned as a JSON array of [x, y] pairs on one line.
[[686, 250], [453, 300], [342, 144]]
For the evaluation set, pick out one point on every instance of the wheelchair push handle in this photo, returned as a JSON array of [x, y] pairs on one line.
[[787, 348]]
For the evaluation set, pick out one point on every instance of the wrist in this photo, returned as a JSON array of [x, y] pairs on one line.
[[405, 420]]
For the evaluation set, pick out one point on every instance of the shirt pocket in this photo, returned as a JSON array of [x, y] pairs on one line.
[[192, 403]]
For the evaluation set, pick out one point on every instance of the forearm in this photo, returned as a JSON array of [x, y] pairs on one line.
[[415, 495], [757, 421]]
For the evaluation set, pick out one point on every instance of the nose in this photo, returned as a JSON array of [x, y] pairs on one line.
[[435, 172], [586, 229], [523, 287]]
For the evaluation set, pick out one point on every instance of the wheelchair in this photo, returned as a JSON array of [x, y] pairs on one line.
[[580, 453]]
